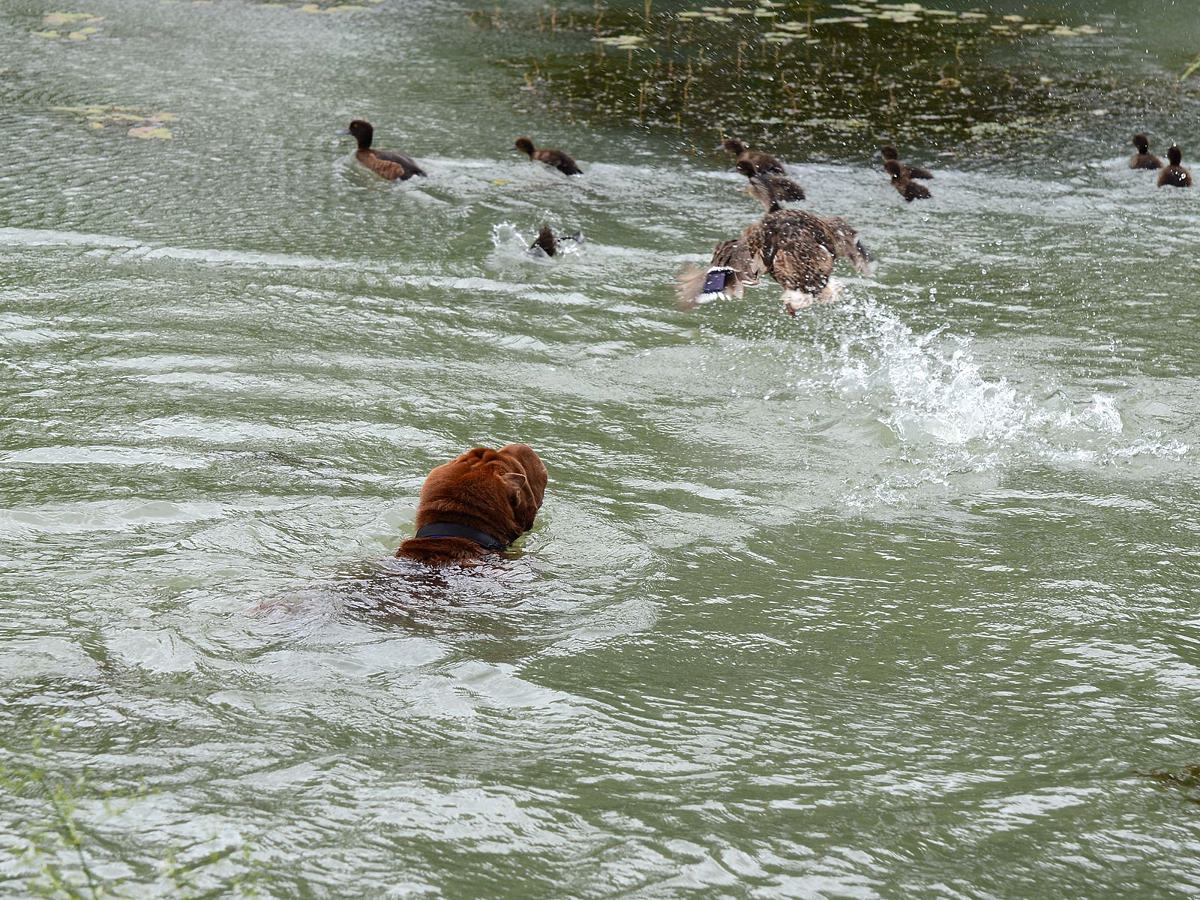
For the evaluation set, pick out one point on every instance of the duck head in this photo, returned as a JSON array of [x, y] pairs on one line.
[[1141, 142], [525, 145], [361, 132], [893, 168], [1175, 155], [887, 151], [745, 167], [734, 146]]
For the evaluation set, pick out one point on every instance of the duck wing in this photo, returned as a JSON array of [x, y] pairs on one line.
[[783, 189], [730, 269], [843, 243], [407, 164], [911, 191], [918, 172], [764, 163], [559, 160]]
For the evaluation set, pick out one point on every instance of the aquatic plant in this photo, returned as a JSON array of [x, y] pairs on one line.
[[76, 26], [60, 853], [1186, 779], [809, 73], [1191, 69], [136, 122], [323, 7]]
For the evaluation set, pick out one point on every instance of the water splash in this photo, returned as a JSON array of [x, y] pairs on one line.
[[513, 246], [929, 387], [949, 417]]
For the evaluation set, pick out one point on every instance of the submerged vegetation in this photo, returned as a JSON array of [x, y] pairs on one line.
[[69, 26], [137, 123], [825, 75]]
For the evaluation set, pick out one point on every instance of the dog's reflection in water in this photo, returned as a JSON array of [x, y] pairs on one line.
[[391, 593]]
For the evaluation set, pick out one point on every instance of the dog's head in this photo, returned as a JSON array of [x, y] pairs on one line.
[[498, 491]]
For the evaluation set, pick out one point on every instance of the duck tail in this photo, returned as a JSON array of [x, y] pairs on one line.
[[696, 285]]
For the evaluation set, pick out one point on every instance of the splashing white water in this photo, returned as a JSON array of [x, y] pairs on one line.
[[950, 417], [511, 245]]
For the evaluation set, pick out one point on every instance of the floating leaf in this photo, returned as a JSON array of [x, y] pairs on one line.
[[137, 123], [150, 132], [55, 21], [58, 19]]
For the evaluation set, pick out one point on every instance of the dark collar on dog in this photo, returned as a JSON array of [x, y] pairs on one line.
[[451, 530]]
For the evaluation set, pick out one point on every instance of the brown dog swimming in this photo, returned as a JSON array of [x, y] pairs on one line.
[[476, 504]]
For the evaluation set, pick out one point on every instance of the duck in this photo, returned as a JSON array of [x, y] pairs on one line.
[[784, 189], [384, 163], [1143, 159], [890, 153], [1175, 175], [906, 187], [764, 163], [796, 248], [546, 242], [555, 158]]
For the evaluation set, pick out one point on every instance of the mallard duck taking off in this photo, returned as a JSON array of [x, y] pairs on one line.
[[384, 163], [796, 248]]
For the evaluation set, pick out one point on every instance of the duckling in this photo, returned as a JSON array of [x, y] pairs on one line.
[[383, 163], [548, 244], [907, 188], [1143, 159], [797, 249], [888, 152], [762, 162], [1175, 174], [781, 187], [555, 158]]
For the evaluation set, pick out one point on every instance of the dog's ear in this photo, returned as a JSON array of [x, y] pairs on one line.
[[520, 495]]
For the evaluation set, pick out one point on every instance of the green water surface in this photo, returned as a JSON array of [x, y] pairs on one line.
[[897, 598]]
